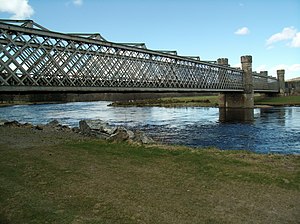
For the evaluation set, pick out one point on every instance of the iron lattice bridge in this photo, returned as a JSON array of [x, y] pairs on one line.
[[33, 58]]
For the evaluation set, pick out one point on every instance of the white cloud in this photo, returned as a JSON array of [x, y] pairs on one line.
[[294, 68], [296, 40], [291, 71], [19, 8], [78, 2], [287, 34], [242, 31]]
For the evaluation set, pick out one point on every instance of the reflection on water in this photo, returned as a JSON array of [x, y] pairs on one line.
[[274, 130], [236, 115]]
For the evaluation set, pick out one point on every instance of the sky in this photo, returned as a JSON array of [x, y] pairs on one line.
[[269, 30]]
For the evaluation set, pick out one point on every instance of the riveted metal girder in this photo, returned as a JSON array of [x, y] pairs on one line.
[[33, 58]]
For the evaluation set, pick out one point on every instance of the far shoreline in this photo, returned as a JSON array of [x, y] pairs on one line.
[[192, 101]]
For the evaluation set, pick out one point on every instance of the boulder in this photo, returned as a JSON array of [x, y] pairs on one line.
[[2, 122], [53, 123], [120, 135], [12, 123], [101, 129], [86, 126], [142, 138], [28, 125], [39, 127], [130, 134]]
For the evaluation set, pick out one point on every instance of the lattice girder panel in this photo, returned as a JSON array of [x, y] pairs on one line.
[[33, 57], [265, 83]]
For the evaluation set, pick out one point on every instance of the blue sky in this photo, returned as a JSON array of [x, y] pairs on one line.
[[269, 30]]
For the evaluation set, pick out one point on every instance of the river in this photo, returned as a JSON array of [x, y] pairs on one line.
[[274, 130]]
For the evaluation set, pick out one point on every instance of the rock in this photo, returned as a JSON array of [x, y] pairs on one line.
[[100, 135], [110, 130], [12, 124], [53, 123], [130, 134], [28, 125], [86, 126], [76, 129], [120, 135], [142, 138], [101, 129], [39, 127], [2, 122], [64, 128]]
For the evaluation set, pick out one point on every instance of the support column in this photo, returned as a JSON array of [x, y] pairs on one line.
[[248, 94], [280, 77], [238, 106], [245, 99], [222, 97]]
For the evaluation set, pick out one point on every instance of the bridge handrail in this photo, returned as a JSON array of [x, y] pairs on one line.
[[254, 74]]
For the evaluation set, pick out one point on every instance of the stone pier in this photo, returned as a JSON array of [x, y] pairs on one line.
[[238, 106], [280, 77], [246, 98]]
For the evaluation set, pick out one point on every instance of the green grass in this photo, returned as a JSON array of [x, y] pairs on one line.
[[100, 182], [278, 101]]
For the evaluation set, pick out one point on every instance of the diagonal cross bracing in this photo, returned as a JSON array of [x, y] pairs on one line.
[[39, 59]]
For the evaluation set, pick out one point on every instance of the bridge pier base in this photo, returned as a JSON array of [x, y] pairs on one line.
[[236, 115], [238, 106], [236, 100], [244, 99]]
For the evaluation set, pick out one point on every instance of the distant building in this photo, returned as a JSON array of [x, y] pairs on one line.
[[293, 86]]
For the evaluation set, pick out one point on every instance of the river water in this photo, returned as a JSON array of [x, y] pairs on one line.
[[274, 130]]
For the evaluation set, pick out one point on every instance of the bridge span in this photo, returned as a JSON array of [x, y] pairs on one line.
[[35, 59]]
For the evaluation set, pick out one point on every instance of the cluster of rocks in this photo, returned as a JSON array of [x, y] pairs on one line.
[[93, 128], [103, 130], [52, 125]]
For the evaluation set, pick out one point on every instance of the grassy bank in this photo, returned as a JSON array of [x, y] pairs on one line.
[[207, 101], [193, 101], [92, 181], [278, 101]]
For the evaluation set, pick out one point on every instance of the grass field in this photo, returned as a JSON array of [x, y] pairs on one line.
[[92, 181]]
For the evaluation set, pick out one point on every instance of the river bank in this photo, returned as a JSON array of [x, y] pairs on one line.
[[207, 101], [57, 175]]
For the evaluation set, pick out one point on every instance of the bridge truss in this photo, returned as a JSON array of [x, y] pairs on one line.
[[33, 58]]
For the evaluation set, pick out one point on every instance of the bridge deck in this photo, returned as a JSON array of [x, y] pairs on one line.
[[33, 58]]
